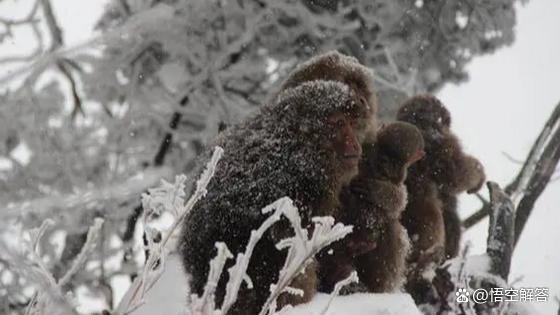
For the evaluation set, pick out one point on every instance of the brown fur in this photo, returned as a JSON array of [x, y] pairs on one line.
[[433, 184], [373, 203]]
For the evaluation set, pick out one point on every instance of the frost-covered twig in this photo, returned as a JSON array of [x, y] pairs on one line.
[[238, 273], [205, 303], [167, 197], [49, 297], [399, 82], [353, 277], [136, 24], [301, 250], [87, 249]]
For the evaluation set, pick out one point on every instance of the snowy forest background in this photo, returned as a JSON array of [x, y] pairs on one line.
[[101, 99]]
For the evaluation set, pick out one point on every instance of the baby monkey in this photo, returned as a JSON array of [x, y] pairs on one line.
[[373, 203]]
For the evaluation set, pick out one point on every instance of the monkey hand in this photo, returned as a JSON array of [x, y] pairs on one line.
[[476, 172]]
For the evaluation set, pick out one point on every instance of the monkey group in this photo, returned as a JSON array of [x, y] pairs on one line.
[[317, 141]]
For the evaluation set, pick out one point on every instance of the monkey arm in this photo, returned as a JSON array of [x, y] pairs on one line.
[[358, 203], [454, 170]]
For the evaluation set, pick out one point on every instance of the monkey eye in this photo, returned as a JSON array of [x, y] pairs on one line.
[[336, 120]]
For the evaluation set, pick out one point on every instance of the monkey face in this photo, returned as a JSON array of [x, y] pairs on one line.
[[336, 67], [344, 141]]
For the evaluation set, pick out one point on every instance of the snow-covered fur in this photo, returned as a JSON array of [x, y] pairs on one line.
[[331, 66], [334, 66], [280, 151]]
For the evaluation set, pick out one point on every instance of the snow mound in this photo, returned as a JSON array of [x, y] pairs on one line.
[[359, 304]]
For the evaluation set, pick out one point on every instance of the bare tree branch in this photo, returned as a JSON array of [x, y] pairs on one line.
[[501, 231], [533, 177], [52, 24], [543, 173], [64, 69]]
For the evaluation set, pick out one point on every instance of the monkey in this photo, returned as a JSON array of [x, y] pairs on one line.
[[304, 143], [334, 66], [373, 203], [431, 217]]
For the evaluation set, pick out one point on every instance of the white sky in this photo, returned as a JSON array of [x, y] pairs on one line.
[[501, 109]]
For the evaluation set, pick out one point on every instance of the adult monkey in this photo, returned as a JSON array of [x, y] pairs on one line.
[[305, 144], [434, 184]]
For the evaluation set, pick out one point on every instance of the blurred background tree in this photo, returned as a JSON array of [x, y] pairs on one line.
[[85, 129]]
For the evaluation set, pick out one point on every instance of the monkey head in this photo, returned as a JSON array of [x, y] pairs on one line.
[[327, 114], [426, 112], [398, 146], [446, 163], [333, 66]]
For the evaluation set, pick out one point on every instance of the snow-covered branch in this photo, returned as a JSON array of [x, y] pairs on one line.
[[301, 250], [120, 192], [501, 231], [49, 297]]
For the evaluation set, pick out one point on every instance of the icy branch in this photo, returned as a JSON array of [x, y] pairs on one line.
[[301, 250], [167, 197], [238, 273], [205, 303], [49, 298], [87, 249]]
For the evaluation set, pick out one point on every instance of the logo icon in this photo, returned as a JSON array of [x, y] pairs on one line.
[[462, 295]]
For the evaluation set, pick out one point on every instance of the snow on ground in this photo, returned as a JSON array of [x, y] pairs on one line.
[[169, 294], [359, 304]]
